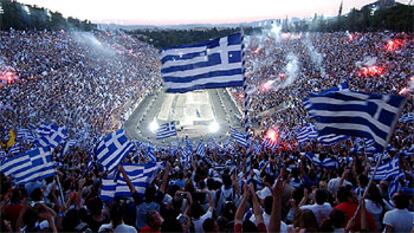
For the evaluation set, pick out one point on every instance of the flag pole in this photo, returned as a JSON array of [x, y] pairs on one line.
[[394, 124], [246, 120], [62, 197]]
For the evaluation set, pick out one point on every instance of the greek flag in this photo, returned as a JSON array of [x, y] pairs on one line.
[[112, 149], [25, 135], [328, 163], [15, 149], [201, 149], [306, 133], [151, 153], [166, 130], [269, 144], [388, 169], [51, 135], [216, 63], [408, 151], [68, 145], [29, 166], [185, 158], [331, 139], [407, 118], [356, 114], [257, 148], [395, 185], [141, 175], [239, 137]]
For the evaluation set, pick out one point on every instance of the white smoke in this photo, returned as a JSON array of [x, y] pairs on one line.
[[291, 70], [316, 57], [411, 84], [367, 61], [89, 41], [275, 31]]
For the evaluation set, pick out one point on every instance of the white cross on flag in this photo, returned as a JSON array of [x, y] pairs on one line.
[[166, 130], [215, 63], [112, 149]]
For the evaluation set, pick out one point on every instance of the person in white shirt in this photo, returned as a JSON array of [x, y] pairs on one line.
[[198, 216], [375, 205], [399, 219], [117, 224], [335, 183], [321, 209]]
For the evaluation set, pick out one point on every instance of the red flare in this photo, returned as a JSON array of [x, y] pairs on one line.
[[395, 44], [8, 76], [273, 134], [371, 71], [266, 86]]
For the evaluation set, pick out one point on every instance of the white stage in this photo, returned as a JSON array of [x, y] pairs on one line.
[[191, 111]]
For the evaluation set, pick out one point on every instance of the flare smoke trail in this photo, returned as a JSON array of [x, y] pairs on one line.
[[88, 40], [316, 57], [291, 70]]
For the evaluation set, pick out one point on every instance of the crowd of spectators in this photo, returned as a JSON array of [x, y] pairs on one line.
[[85, 81], [324, 60], [81, 79]]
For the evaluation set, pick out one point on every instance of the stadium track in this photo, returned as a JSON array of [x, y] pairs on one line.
[[225, 111]]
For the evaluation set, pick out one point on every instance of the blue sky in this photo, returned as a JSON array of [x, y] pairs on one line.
[[168, 12]]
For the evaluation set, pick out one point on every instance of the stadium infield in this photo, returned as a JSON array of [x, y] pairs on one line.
[[193, 113]]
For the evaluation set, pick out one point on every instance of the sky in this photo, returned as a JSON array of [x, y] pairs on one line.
[[172, 12]]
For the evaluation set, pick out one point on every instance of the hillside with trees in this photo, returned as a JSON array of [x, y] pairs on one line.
[[25, 17], [396, 18]]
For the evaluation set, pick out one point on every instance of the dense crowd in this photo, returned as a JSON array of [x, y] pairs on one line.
[[83, 80], [323, 60]]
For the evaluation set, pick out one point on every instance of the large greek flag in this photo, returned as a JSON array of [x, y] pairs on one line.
[[29, 166], [112, 149], [215, 63], [356, 114], [141, 175]]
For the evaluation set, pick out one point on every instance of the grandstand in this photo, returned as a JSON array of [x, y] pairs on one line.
[[91, 142]]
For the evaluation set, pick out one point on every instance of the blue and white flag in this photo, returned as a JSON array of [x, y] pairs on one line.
[[29, 166], [166, 130], [407, 118], [257, 148], [151, 153], [270, 144], [395, 185], [112, 149], [25, 135], [328, 163], [141, 175], [388, 169], [201, 149], [216, 63], [51, 135], [356, 114], [306, 133], [408, 152], [331, 139], [68, 145], [185, 158], [240, 138], [15, 149]]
